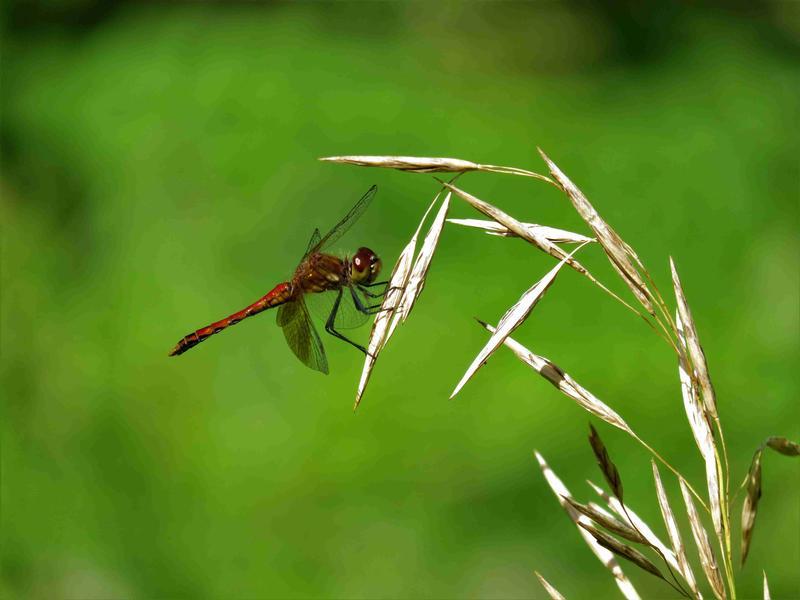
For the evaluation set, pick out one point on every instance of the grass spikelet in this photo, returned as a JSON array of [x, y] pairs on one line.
[[386, 319], [566, 384], [532, 236], [605, 555], [766, 587], [625, 512], [707, 559], [416, 280], [617, 251], [695, 413], [673, 531], [698, 417], [421, 164], [554, 235], [784, 446], [752, 482], [693, 346], [606, 520], [551, 591], [513, 318], [515, 227], [623, 550], [414, 164], [607, 467], [750, 505]]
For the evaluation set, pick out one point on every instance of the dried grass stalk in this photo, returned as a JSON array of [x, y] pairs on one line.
[[603, 554], [554, 235], [532, 236], [750, 506], [606, 520], [551, 591], [626, 513], [673, 531], [566, 384], [618, 251], [420, 164], [693, 345], [414, 164], [697, 416], [607, 466], [621, 549], [513, 318], [766, 587], [707, 559], [386, 319], [416, 281], [783, 446], [699, 422], [753, 484], [516, 227]]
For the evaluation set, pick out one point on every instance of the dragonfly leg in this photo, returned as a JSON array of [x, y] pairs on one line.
[[367, 310], [380, 294], [332, 330], [375, 283]]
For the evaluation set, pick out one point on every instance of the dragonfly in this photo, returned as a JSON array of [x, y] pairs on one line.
[[347, 286]]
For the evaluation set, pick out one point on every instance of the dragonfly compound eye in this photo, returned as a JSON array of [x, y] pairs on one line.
[[366, 265]]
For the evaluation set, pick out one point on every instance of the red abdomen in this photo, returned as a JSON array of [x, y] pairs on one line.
[[280, 294]]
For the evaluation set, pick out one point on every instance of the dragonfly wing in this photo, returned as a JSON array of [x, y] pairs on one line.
[[301, 335], [348, 316], [313, 242], [342, 226]]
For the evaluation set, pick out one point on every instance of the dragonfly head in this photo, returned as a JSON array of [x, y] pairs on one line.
[[365, 266]]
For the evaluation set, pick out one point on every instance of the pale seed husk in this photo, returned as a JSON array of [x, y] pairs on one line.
[[565, 383], [694, 348], [616, 249], [387, 318], [707, 559], [607, 521], [415, 164], [627, 514], [516, 227], [621, 549], [416, 281], [513, 318], [603, 554], [554, 235], [673, 531], [551, 591], [699, 421]]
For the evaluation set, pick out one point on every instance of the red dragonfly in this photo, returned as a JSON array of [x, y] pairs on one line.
[[344, 281]]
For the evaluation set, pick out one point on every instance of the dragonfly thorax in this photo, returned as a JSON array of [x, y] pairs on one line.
[[364, 266]]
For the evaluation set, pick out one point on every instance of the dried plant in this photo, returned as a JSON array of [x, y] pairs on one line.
[[676, 326], [553, 592]]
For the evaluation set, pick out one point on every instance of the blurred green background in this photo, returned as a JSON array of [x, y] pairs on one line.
[[159, 172]]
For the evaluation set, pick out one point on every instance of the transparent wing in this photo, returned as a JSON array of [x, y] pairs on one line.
[[313, 242], [301, 335], [342, 226], [348, 316]]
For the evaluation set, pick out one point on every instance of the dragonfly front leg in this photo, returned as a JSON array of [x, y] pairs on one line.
[[381, 294], [329, 324], [367, 310]]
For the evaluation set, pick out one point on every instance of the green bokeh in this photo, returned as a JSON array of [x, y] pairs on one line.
[[159, 172]]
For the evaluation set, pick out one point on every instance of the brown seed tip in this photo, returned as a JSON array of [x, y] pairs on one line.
[[607, 467]]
